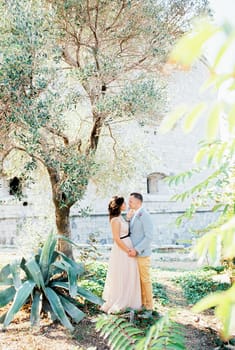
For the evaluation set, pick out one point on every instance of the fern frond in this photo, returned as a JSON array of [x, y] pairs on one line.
[[164, 334], [120, 333]]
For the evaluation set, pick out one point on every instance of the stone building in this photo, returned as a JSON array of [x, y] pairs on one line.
[[21, 220]]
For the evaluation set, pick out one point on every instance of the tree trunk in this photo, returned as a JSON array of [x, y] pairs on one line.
[[61, 215], [63, 228]]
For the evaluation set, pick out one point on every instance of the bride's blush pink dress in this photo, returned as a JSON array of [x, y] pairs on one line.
[[122, 285]]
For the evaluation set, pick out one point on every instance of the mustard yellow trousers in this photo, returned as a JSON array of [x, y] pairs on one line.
[[144, 264]]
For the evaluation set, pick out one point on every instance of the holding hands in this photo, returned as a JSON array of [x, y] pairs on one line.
[[132, 253]]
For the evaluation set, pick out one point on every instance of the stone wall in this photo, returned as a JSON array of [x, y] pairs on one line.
[[166, 233]]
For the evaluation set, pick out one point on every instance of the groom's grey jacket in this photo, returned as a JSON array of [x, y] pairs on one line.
[[141, 229]]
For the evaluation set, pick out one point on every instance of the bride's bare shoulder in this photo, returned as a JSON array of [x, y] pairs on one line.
[[116, 218]]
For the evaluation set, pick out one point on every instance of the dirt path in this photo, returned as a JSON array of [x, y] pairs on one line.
[[201, 332]]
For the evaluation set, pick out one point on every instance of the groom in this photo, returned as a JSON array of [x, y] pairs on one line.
[[141, 231]]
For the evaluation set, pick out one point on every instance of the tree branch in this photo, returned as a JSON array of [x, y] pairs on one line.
[[114, 140], [117, 16], [58, 133], [6, 153]]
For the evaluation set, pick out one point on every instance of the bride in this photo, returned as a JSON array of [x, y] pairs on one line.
[[122, 285]]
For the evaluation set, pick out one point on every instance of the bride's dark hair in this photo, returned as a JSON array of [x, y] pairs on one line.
[[115, 206]]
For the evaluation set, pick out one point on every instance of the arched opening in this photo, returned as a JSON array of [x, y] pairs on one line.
[[15, 187], [154, 182]]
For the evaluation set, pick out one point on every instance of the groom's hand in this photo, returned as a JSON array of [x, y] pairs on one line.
[[132, 253], [129, 214]]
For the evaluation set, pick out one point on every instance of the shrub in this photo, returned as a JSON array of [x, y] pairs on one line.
[[94, 278], [159, 292], [197, 285]]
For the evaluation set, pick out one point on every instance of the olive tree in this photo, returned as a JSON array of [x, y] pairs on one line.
[[101, 59]]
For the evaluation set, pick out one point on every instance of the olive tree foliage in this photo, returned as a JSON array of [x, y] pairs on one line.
[[117, 51], [216, 153], [34, 98], [102, 62]]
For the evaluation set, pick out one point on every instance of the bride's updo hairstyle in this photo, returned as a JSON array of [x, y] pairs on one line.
[[115, 206]]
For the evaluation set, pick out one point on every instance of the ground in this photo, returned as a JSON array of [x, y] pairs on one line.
[[201, 332]]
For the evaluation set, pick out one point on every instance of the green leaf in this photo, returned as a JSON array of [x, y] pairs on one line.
[[20, 297], [208, 302], [6, 296], [170, 121], [225, 312], [73, 270], [72, 276], [220, 55], [36, 308], [25, 269], [5, 272], [212, 248], [217, 207], [190, 47], [58, 308], [192, 117], [200, 155], [78, 267], [76, 314], [35, 272], [231, 118], [2, 317], [89, 296], [63, 285], [213, 121], [47, 254], [15, 271]]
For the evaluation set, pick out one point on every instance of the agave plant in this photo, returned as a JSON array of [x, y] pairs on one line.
[[48, 282]]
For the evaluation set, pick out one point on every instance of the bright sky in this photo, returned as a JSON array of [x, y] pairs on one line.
[[224, 10]]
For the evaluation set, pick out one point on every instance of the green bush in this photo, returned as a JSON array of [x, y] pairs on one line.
[[94, 278], [197, 285], [159, 293], [47, 281]]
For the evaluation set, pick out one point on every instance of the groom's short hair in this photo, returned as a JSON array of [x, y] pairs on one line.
[[137, 195]]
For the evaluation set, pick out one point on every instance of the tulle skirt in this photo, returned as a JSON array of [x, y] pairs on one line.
[[122, 285]]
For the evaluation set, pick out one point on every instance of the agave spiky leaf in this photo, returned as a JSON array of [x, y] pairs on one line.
[[78, 267], [47, 255], [25, 269], [72, 276], [49, 275], [4, 273], [80, 291], [89, 296], [2, 317], [58, 308], [20, 297], [76, 314], [36, 273], [15, 272], [7, 295], [36, 308]]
